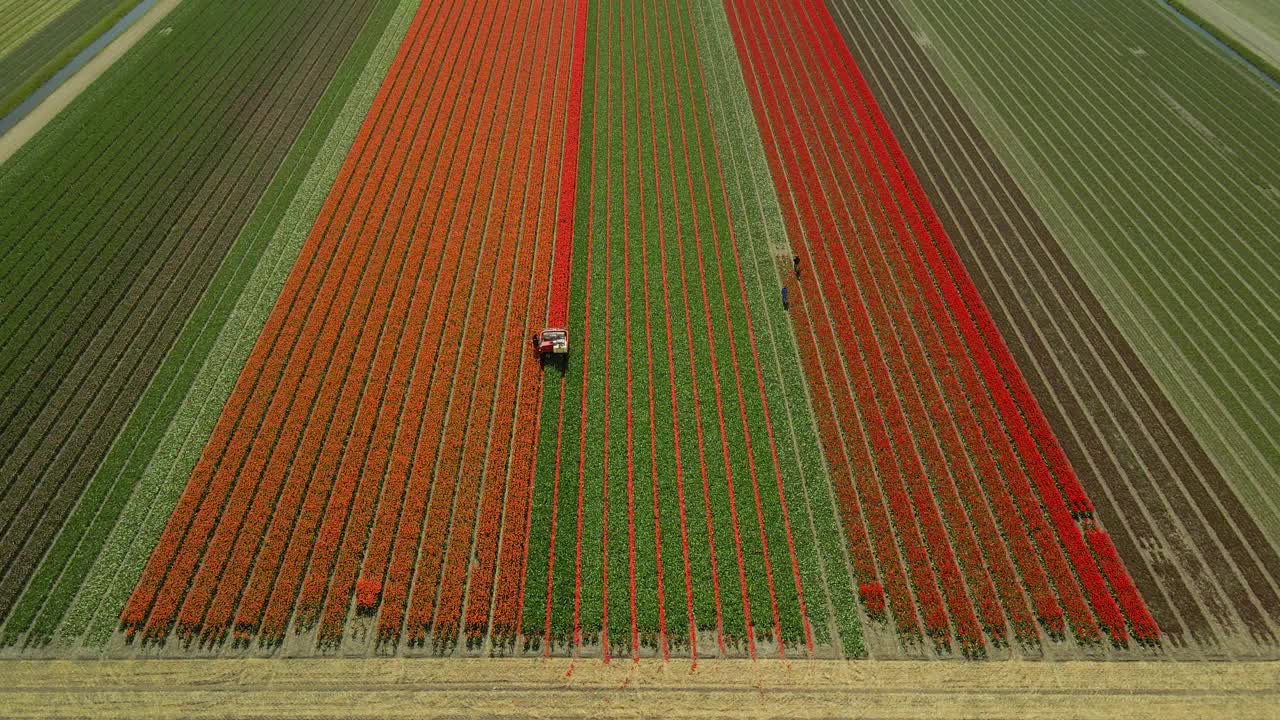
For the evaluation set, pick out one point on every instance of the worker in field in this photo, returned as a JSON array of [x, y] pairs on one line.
[[786, 300], [795, 264]]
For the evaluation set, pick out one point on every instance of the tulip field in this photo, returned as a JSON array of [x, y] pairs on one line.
[[915, 368], [838, 382]]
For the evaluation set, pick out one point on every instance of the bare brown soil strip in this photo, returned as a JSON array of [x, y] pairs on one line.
[[1179, 527], [563, 688]]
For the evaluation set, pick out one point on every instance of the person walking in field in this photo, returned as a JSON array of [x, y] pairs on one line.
[[795, 264], [786, 300]]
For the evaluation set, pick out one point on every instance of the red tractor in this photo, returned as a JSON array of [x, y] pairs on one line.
[[551, 341]]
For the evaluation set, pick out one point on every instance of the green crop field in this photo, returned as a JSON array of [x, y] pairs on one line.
[[666, 378], [1251, 27], [24, 19]]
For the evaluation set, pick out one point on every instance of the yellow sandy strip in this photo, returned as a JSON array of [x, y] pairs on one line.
[[40, 115], [340, 688]]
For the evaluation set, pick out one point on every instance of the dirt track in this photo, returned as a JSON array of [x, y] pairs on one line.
[[533, 688]]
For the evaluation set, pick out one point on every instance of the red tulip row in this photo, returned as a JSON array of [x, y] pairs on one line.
[[632, 638], [558, 312], [988, 539], [932, 371], [1076, 500], [872, 594], [1144, 625], [368, 592], [860, 348]]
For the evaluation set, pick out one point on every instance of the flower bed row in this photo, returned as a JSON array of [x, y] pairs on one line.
[[816, 222], [335, 380], [558, 310], [965, 483], [314, 550], [906, 367], [512, 260], [505, 473], [303, 494], [939, 378]]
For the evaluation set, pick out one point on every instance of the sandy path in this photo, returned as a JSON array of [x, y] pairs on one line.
[[27, 127], [536, 688]]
